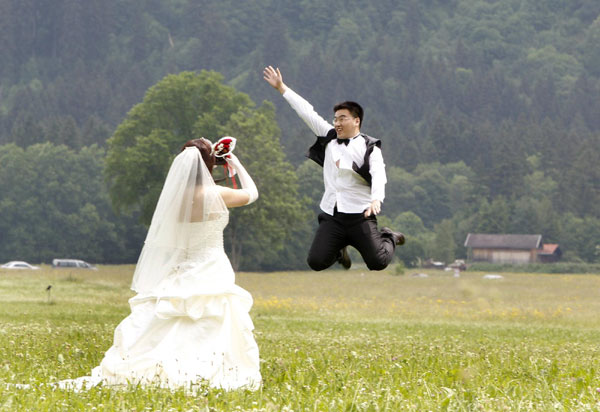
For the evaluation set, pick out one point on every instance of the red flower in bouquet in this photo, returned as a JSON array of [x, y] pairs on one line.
[[224, 146]]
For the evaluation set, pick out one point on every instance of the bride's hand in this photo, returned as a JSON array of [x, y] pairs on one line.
[[231, 158]]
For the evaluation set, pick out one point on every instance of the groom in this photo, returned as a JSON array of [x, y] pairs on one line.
[[354, 178]]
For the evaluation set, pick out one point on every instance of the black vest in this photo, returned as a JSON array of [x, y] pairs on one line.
[[317, 153]]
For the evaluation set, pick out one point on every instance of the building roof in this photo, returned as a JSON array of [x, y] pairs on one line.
[[550, 249], [488, 241]]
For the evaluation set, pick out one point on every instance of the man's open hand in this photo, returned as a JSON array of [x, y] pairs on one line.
[[373, 209], [274, 78]]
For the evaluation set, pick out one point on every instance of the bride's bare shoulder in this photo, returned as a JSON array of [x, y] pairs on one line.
[[233, 197]]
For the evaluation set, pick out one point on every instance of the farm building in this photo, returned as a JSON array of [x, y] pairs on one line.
[[550, 253], [504, 248]]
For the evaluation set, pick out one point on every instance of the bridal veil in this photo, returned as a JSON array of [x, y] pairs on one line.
[[189, 195]]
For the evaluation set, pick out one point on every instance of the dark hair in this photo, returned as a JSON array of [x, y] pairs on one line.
[[205, 148], [354, 108]]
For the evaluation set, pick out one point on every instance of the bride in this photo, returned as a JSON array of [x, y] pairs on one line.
[[189, 321]]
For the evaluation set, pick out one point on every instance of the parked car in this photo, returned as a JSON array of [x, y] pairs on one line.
[[18, 264], [72, 263], [458, 264], [432, 264]]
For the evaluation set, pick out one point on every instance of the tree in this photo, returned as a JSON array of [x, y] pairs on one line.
[[275, 44], [446, 139], [444, 241], [409, 223], [507, 164], [591, 48], [8, 45], [178, 108], [63, 130], [580, 236], [493, 218], [310, 190], [258, 234], [71, 41], [582, 180], [483, 81], [26, 130], [191, 105], [413, 251], [95, 131], [206, 21], [54, 204]]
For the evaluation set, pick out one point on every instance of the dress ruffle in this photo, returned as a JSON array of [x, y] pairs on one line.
[[188, 331], [193, 328]]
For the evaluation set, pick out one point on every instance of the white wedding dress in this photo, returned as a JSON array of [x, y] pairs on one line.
[[193, 327]]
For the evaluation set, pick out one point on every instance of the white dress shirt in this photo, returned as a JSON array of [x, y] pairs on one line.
[[343, 186]]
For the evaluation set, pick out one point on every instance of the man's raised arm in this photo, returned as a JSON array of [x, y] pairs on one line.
[[316, 123]]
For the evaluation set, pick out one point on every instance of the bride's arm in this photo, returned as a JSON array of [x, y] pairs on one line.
[[239, 197]]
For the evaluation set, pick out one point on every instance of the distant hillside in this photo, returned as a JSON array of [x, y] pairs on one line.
[[508, 90]]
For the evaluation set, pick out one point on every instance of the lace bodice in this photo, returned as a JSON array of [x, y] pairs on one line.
[[206, 237]]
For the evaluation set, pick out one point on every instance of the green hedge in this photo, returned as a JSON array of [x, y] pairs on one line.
[[562, 267]]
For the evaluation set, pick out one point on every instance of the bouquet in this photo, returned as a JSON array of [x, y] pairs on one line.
[[222, 148]]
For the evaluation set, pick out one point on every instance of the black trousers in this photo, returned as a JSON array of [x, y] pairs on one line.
[[350, 229]]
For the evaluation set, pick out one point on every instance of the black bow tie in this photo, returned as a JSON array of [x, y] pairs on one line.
[[343, 141]]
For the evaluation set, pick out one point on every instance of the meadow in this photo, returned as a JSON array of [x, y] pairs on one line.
[[331, 341]]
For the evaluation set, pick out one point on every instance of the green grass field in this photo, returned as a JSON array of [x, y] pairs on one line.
[[331, 341]]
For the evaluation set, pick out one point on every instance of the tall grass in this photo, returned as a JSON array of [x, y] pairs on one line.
[[329, 341]]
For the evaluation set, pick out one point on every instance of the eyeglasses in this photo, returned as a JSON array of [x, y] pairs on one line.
[[341, 119]]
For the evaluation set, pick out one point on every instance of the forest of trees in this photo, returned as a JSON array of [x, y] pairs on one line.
[[489, 113]]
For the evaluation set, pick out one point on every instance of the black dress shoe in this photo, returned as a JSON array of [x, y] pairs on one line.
[[344, 259], [397, 237]]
